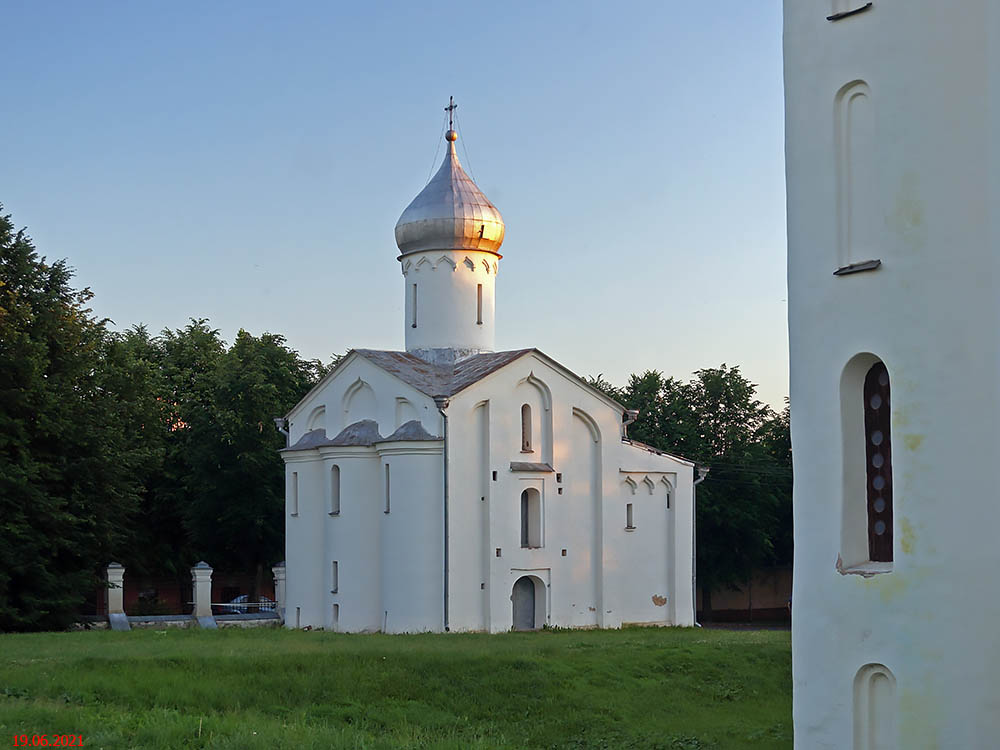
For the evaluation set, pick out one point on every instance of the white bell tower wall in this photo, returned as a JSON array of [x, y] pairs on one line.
[[893, 178], [449, 303]]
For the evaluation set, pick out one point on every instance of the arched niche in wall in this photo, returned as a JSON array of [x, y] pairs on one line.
[[667, 488], [405, 411], [359, 402], [317, 419], [585, 486], [875, 708], [866, 489], [536, 394], [858, 198]]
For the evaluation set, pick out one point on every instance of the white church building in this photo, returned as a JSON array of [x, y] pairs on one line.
[[451, 487], [893, 164]]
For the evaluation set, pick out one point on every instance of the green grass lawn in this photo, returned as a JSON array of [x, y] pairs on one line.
[[634, 688]]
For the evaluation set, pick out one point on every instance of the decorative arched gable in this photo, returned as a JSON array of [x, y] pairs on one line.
[[316, 419], [359, 402]]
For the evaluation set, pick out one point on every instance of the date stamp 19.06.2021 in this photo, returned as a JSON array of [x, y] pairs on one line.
[[48, 740]]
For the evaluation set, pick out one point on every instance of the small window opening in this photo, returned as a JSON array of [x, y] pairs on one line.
[[482, 228], [336, 615], [479, 304], [335, 490], [387, 488], [494, 476], [482, 586], [531, 519], [629, 517], [559, 490], [558, 477], [878, 452], [413, 307], [525, 429], [295, 493], [298, 617], [482, 499], [564, 553], [498, 552], [335, 584]]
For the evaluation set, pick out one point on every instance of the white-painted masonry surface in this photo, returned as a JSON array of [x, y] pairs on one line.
[[892, 119], [527, 463], [390, 573]]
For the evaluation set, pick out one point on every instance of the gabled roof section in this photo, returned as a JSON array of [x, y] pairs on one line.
[[447, 380], [657, 451], [440, 380]]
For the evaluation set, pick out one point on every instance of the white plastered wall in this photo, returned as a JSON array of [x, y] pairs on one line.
[[606, 577], [447, 299], [367, 544], [931, 75]]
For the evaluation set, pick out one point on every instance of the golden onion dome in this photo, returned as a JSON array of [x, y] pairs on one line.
[[450, 213]]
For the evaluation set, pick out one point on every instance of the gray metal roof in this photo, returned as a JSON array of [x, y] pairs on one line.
[[312, 439], [364, 433], [450, 213], [440, 380], [413, 431]]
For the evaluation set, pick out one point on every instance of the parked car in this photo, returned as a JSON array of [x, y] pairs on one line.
[[242, 605]]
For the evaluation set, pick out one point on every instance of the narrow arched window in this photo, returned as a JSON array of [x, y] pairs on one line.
[[335, 490], [479, 304], [878, 453], [524, 519], [413, 307], [531, 518], [526, 429], [386, 488]]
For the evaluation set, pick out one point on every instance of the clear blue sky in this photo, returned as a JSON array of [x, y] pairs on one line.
[[246, 162]]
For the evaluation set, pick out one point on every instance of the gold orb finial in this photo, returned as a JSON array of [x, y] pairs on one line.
[[451, 135]]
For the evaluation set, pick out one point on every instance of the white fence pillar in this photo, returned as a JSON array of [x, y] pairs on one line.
[[279, 588], [115, 573], [201, 584], [116, 588]]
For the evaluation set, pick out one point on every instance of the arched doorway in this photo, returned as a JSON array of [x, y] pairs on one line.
[[526, 607]]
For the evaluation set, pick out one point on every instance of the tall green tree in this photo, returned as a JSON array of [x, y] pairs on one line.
[[236, 476], [70, 471]]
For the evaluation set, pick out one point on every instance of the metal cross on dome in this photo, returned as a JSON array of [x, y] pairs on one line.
[[450, 109]]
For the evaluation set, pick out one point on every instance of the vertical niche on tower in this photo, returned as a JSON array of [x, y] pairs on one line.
[[867, 488], [858, 194], [875, 708]]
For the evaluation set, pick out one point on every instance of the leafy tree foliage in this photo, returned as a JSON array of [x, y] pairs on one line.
[[154, 451], [236, 477], [69, 460]]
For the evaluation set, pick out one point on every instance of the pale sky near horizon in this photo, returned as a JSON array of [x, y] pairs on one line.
[[246, 163]]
